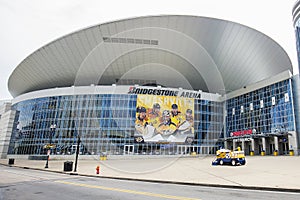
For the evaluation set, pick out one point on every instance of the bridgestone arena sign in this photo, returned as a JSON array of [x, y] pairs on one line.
[[165, 92]]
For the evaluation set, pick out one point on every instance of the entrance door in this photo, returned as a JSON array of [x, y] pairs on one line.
[[128, 149], [182, 149], [272, 148], [196, 149], [285, 147]]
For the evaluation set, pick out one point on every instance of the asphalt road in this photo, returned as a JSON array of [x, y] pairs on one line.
[[18, 183]]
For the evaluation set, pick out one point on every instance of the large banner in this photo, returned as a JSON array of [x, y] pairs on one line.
[[164, 119]]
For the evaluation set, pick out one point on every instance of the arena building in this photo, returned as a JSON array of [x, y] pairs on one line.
[[154, 85]]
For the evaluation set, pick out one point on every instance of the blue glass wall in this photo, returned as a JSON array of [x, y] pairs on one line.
[[296, 20], [297, 30], [266, 110], [97, 118], [105, 123], [209, 122]]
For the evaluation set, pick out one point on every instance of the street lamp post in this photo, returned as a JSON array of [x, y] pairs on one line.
[[52, 130]]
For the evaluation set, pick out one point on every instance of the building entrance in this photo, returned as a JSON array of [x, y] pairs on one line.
[[128, 149]]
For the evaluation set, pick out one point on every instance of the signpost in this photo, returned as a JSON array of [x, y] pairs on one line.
[[77, 152]]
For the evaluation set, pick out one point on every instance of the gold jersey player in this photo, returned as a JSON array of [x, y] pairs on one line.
[[187, 126], [142, 127], [141, 121], [177, 117], [154, 115]]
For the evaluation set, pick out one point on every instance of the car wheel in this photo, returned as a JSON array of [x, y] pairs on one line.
[[233, 163], [221, 162]]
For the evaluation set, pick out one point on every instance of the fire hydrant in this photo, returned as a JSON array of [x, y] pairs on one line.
[[98, 169]]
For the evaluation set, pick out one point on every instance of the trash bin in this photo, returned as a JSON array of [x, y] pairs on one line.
[[11, 161], [68, 166]]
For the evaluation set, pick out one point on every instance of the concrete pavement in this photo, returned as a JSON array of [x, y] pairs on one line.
[[260, 172]]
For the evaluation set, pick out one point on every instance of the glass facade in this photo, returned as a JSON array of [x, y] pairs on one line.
[[297, 30], [296, 20], [266, 110], [105, 124], [209, 122]]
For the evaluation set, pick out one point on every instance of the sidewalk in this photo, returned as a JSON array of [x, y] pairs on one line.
[[260, 172]]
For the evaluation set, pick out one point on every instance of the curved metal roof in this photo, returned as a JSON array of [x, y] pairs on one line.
[[190, 52]]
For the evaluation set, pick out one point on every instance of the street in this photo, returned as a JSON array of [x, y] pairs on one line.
[[19, 183]]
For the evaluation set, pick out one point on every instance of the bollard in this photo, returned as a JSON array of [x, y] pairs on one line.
[[98, 169]]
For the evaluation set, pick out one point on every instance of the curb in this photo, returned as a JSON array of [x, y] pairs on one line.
[[165, 181]]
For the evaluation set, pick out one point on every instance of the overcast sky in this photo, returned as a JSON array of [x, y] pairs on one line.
[[27, 25]]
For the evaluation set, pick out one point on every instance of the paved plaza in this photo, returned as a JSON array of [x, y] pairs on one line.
[[272, 172]]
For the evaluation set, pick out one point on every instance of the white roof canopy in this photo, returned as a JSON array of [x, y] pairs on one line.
[[190, 52]]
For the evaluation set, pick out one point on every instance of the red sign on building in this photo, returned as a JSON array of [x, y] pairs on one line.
[[241, 133]]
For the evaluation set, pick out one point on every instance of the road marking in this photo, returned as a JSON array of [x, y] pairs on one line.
[[260, 191], [127, 191]]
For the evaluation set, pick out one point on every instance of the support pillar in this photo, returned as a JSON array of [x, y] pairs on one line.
[[226, 144], [252, 150], [276, 151], [276, 143], [292, 139], [234, 144], [263, 141], [243, 145]]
